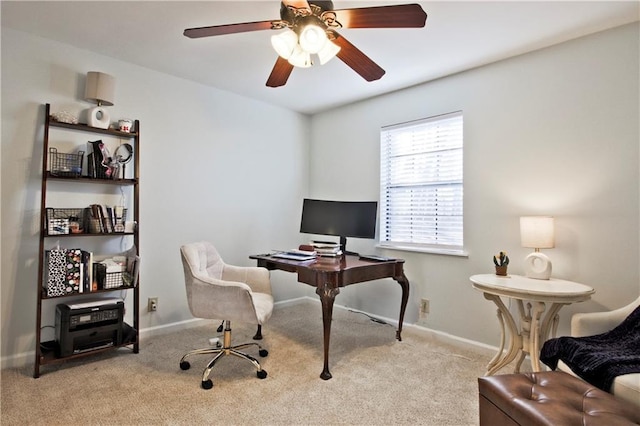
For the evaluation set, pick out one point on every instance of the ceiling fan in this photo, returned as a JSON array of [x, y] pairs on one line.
[[309, 27]]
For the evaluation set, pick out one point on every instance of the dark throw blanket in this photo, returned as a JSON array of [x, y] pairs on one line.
[[599, 359]]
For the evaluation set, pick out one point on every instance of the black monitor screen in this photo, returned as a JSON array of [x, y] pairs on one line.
[[340, 218]]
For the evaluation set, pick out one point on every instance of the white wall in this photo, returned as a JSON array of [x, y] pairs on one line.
[[554, 132], [214, 166]]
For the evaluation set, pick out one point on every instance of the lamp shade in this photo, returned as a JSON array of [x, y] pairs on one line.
[[100, 88], [537, 232]]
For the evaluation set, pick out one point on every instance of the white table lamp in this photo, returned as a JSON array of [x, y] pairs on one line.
[[100, 88], [537, 232]]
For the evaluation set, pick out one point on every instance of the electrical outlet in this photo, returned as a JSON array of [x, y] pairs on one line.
[[424, 306], [152, 304]]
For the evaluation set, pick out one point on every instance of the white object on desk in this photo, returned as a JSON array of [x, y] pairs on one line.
[[295, 254], [534, 327]]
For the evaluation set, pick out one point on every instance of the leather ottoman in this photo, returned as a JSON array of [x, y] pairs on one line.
[[551, 398]]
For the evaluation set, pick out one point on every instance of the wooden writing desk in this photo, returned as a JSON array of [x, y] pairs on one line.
[[329, 274]]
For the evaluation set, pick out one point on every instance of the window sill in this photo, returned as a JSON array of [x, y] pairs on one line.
[[428, 250]]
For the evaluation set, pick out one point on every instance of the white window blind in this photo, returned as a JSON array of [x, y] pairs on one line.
[[421, 184]]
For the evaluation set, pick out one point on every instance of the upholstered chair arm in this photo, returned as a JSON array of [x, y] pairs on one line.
[[256, 278], [592, 323]]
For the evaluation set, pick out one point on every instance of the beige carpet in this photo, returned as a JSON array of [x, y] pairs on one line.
[[376, 380]]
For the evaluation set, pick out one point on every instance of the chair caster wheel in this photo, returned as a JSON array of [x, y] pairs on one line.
[[207, 384], [263, 352], [184, 365], [261, 374]]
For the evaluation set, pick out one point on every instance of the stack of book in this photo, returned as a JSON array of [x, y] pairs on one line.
[[326, 249]]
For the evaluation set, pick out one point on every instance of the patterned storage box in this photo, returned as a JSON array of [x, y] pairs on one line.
[[64, 272]]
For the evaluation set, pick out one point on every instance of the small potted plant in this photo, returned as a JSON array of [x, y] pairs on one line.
[[501, 261]]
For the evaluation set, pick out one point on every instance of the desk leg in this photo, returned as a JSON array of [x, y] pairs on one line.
[[404, 283], [327, 297]]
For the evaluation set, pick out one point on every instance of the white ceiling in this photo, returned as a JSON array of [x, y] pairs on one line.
[[458, 36]]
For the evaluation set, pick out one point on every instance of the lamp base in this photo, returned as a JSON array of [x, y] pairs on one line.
[[98, 117], [538, 266]]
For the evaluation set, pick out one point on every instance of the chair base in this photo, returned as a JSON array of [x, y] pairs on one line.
[[226, 349]]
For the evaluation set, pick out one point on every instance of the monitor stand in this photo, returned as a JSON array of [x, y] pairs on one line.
[[343, 247]]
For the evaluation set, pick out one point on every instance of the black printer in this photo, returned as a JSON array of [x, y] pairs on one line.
[[89, 325]]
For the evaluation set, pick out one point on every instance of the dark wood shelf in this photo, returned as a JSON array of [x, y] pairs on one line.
[[48, 352], [106, 290], [86, 179], [88, 234], [84, 128]]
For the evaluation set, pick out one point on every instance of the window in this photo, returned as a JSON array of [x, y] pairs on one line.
[[421, 184]]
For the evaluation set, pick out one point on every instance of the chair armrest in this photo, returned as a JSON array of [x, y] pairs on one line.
[[256, 278], [203, 279], [592, 323]]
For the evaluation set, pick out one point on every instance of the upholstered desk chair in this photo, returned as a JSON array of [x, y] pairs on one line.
[[216, 290]]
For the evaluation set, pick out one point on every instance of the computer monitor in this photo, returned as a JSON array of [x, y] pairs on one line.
[[343, 219]]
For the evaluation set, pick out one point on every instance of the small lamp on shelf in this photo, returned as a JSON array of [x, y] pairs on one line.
[[99, 88], [537, 232]]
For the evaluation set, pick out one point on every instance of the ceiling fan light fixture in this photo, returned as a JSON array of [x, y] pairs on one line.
[[328, 51], [284, 43], [300, 58], [312, 38]]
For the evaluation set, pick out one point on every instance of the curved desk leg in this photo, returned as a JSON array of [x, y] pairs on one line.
[[515, 340], [327, 297], [404, 283]]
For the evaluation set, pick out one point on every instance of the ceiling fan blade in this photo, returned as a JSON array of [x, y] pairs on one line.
[[400, 16], [217, 30], [280, 73], [358, 61]]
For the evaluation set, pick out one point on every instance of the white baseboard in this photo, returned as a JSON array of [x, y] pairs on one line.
[[26, 358]]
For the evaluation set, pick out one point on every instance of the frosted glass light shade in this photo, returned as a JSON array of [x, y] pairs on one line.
[[328, 51], [284, 43], [312, 38], [300, 58], [537, 232], [100, 88]]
